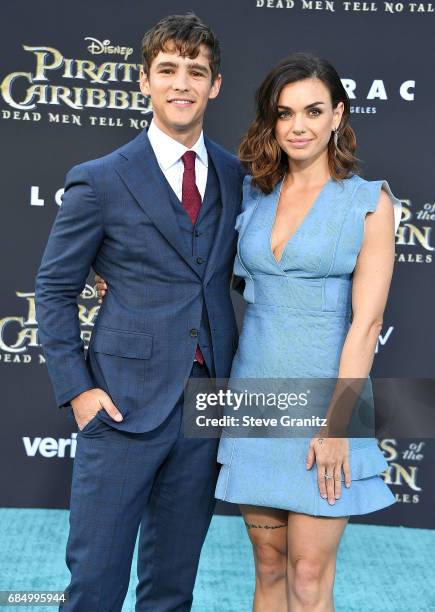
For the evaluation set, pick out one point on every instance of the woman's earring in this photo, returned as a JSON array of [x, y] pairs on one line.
[[335, 141]]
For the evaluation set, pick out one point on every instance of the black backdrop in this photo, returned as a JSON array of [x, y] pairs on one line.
[[60, 66]]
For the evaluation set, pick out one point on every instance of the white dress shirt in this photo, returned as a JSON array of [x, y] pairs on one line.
[[169, 152]]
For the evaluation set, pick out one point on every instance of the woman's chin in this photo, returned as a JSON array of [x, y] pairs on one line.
[[300, 155]]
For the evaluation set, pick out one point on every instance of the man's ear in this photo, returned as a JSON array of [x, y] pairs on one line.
[[144, 83], [215, 88]]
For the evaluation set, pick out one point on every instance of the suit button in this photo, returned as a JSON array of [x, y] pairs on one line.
[[196, 233], [199, 260], [194, 333]]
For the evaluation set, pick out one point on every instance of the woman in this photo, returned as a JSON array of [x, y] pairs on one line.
[[316, 252], [317, 270]]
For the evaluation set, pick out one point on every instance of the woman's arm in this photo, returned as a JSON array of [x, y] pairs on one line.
[[371, 283]]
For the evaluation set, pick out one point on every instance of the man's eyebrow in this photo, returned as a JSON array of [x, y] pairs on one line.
[[308, 106], [166, 65], [193, 66], [199, 67]]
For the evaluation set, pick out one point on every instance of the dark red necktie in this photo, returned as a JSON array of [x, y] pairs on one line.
[[191, 200]]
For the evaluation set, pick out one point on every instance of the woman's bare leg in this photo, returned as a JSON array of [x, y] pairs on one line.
[[267, 530], [312, 543]]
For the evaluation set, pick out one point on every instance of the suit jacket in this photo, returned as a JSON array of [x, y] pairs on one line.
[[117, 218]]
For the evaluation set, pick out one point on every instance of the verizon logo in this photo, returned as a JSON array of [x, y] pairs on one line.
[[51, 447], [383, 339]]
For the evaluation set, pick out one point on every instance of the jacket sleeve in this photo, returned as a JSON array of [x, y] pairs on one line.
[[73, 244]]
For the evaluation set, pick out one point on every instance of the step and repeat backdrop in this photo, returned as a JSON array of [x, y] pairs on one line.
[[69, 92]]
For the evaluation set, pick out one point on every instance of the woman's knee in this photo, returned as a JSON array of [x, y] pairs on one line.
[[270, 563], [310, 579]]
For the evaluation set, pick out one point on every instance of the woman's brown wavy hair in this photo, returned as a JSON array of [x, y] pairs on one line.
[[259, 150]]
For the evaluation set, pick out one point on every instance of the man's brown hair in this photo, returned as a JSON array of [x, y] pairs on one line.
[[182, 33]]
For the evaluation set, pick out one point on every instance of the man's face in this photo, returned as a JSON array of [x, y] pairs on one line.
[[180, 88]]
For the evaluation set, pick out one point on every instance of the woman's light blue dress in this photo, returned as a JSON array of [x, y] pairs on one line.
[[297, 318]]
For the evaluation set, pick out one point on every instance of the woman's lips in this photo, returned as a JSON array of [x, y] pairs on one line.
[[299, 144]]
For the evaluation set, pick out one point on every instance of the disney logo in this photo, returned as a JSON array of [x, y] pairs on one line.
[[89, 292], [96, 47]]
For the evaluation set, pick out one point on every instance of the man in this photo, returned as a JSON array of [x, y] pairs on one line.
[[156, 219]]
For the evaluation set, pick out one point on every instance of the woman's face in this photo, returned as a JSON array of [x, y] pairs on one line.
[[306, 119]]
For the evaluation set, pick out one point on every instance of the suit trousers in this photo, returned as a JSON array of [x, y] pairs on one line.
[[157, 483]]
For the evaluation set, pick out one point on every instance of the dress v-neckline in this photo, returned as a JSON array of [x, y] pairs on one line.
[[299, 227]]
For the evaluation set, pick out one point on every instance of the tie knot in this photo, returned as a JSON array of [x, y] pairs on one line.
[[189, 160]]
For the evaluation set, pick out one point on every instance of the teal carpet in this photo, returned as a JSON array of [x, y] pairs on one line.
[[380, 569]]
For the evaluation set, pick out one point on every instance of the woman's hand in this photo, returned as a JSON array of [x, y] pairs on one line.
[[331, 455], [101, 288]]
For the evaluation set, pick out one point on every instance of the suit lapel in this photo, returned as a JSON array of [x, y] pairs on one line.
[[228, 189], [139, 169]]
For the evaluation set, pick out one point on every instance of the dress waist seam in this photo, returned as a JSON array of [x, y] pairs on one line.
[[343, 314]]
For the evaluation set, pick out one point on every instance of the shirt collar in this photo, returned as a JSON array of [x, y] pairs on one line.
[[169, 151]]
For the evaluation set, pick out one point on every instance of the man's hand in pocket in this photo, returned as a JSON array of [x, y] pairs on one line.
[[86, 405]]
